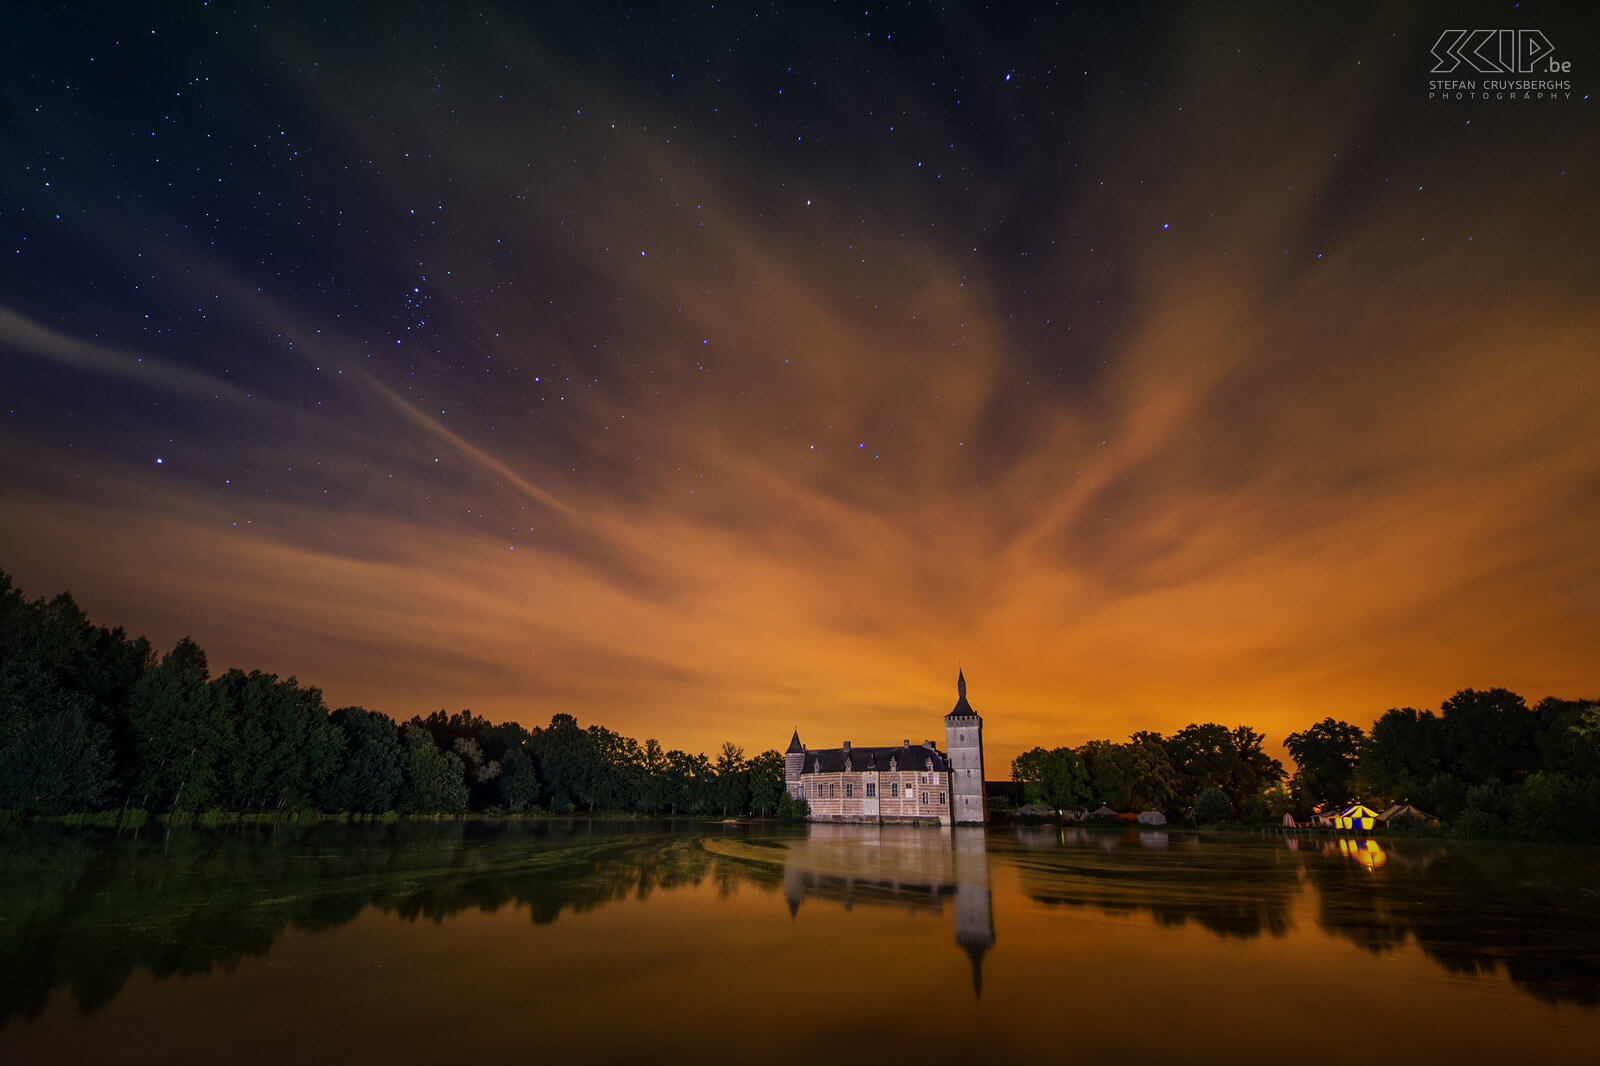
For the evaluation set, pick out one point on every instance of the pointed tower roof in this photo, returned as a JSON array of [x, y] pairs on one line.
[[795, 747], [962, 707], [975, 952]]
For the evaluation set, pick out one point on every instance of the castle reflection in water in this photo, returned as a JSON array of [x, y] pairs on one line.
[[914, 868]]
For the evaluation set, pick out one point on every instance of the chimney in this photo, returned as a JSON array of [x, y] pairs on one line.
[[846, 745], [905, 743], [927, 743]]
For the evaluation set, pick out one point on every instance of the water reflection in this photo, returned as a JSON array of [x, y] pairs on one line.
[[82, 912], [1477, 909], [917, 869], [1527, 911], [1368, 852], [1232, 893]]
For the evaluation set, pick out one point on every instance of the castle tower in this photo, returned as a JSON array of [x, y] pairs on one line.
[[963, 734], [793, 760]]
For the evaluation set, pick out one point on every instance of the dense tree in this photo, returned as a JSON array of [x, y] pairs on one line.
[[692, 783], [1404, 750], [1111, 773], [658, 787], [54, 756], [435, 781], [1155, 781], [1326, 755], [1569, 737], [1212, 756], [565, 761], [767, 783], [1489, 735], [733, 779], [285, 749], [481, 771], [373, 765], [178, 731], [1212, 805], [1055, 777], [518, 783]]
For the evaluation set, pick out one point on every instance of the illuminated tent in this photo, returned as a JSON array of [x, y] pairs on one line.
[[1102, 812], [1289, 822], [1356, 816], [1152, 818]]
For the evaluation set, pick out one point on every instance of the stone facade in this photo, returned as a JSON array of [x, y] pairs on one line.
[[912, 784]]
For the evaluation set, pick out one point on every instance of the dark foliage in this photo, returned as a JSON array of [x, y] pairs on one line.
[[90, 721]]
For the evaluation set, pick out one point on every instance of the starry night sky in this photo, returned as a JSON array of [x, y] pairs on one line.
[[706, 371]]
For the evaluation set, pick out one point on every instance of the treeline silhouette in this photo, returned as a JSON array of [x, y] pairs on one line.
[[91, 720], [1487, 765]]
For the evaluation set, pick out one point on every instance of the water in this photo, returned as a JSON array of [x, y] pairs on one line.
[[452, 942]]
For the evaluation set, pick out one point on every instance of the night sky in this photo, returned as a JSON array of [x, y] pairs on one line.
[[711, 371]]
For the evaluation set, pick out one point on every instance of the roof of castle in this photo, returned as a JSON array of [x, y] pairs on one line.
[[908, 757], [795, 745], [962, 707]]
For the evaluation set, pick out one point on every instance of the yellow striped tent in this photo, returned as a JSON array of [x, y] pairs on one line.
[[1356, 816]]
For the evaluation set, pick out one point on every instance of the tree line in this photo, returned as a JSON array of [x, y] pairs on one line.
[[1486, 764], [91, 720]]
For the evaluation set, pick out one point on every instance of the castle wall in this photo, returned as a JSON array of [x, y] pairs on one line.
[[896, 797]]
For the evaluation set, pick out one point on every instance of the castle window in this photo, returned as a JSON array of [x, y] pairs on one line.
[[941, 799], [908, 790], [871, 789], [849, 790], [961, 736], [924, 797], [833, 790]]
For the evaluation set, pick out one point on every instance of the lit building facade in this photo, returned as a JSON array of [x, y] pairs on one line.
[[908, 783]]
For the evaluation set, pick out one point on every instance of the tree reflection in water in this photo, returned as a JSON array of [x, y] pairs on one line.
[[83, 911], [1231, 893], [1526, 910]]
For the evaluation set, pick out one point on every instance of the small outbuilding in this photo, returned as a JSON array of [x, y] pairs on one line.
[[1152, 818]]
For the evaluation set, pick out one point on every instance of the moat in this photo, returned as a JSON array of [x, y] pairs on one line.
[[610, 941]]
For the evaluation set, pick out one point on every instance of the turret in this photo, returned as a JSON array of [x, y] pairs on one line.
[[963, 732], [794, 761]]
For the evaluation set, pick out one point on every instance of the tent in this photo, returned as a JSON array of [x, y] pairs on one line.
[[1102, 812], [1152, 818], [1289, 822], [1356, 816], [1405, 812]]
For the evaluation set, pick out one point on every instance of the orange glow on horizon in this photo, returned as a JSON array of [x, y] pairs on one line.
[[1275, 492]]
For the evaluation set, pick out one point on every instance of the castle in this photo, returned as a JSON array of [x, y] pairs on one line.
[[916, 784]]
